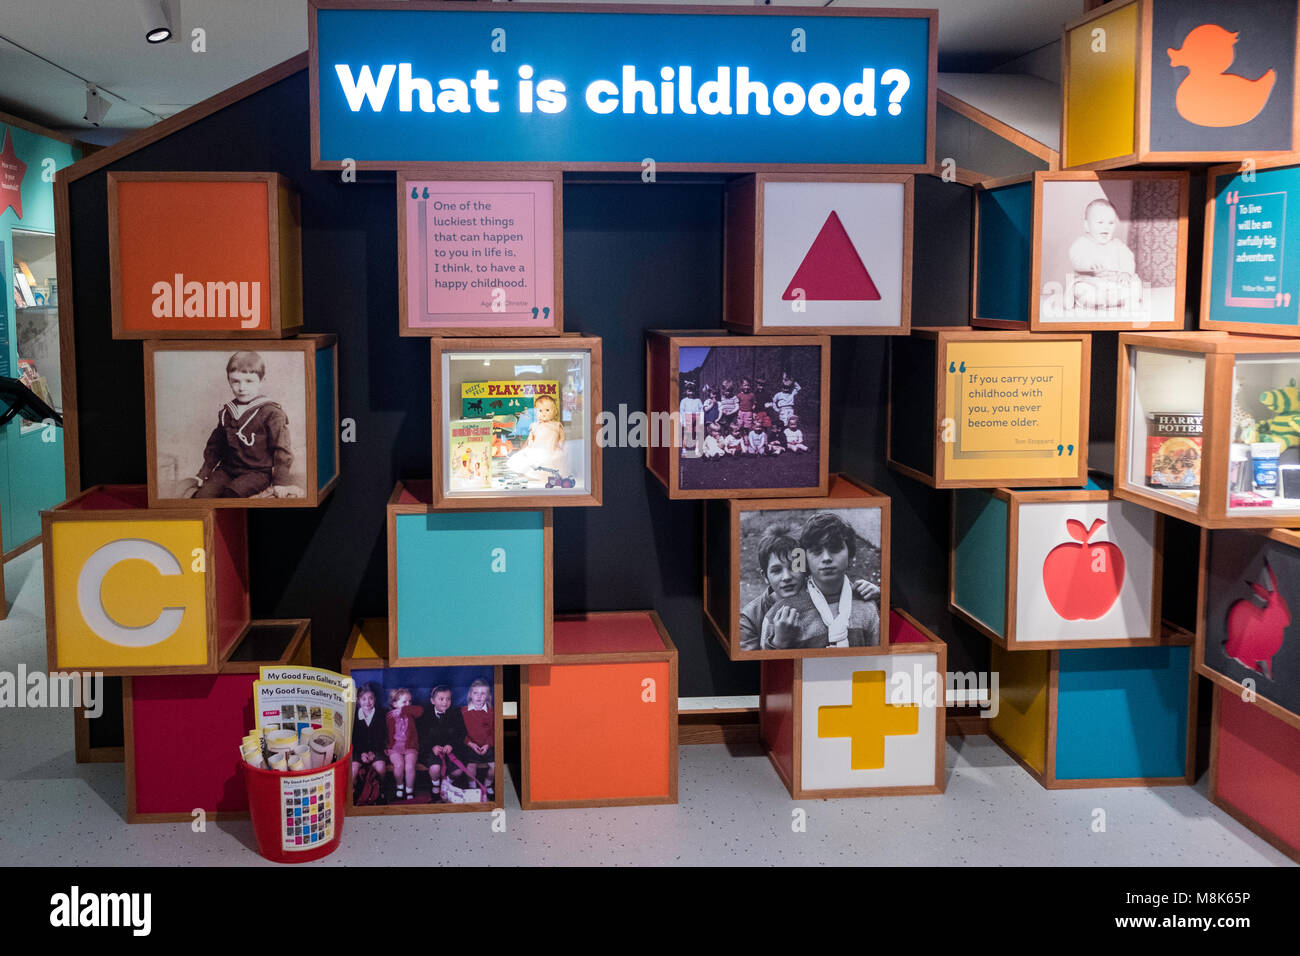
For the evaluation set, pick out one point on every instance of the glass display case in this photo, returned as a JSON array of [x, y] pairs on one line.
[[1208, 427], [515, 422], [36, 317]]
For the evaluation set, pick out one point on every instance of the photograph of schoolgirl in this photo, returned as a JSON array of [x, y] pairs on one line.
[[1109, 249], [809, 579], [424, 735], [230, 423], [749, 416]]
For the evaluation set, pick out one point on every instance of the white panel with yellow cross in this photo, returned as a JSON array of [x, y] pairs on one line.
[[129, 594], [869, 721]]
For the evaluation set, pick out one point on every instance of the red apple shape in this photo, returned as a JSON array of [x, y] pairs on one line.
[[1083, 580]]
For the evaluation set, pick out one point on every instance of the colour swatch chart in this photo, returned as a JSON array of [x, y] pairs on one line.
[[308, 804]]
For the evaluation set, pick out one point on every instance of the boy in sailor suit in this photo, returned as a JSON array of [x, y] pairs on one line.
[[248, 452]]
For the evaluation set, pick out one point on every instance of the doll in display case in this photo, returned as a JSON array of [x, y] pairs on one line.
[[542, 458]]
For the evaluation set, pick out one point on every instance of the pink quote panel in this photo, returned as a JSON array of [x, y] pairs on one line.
[[467, 240]]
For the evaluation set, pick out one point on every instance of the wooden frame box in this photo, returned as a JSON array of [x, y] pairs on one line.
[[181, 729], [133, 590], [598, 725], [365, 660], [204, 255], [1255, 770], [679, 451], [831, 726], [1099, 717], [522, 245], [1249, 583], [1178, 81], [472, 555], [826, 254], [1056, 569], [739, 589], [295, 386], [488, 450], [989, 409], [1248, 272], [1034, 233], [96, 740], [1192, 412]]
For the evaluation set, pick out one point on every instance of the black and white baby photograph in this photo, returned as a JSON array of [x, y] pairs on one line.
[[1108, 249], [809, 579], [230, 423]]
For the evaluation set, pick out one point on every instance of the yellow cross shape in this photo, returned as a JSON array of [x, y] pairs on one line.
[[867, 721]]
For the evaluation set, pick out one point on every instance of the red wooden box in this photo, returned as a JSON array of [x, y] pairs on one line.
[[183, 730]]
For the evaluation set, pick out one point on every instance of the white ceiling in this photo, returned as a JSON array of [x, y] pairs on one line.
[[103, 41]]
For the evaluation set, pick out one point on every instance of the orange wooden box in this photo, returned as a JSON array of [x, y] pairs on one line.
[[1175, 383], [182, 730], [933, 394], [729, 524], [134, 590], [599, 726], [748, 303], [682, 465], [832, 728], [204, 255]]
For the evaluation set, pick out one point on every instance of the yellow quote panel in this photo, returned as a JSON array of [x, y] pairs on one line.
[[1012, 410], [126, 593]]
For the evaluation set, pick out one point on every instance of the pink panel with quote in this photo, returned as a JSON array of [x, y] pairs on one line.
[[480, 256]]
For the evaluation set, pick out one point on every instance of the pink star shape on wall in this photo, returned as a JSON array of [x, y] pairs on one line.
[[12, 171]]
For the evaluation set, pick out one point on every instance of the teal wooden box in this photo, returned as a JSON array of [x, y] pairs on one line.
[[467, 587], [1050, 251], [1102, 717]]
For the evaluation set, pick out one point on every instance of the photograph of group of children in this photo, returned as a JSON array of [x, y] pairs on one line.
[[424, 735], [230, 423], [1109, 249], [749, 416], [809, 579]]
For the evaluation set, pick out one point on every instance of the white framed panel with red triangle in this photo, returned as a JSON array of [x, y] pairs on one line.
[[824, 253]]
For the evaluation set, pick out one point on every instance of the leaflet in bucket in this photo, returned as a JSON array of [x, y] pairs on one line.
[[304, 719]]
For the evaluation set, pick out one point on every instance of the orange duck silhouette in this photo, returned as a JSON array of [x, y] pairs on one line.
[[1210, 96]]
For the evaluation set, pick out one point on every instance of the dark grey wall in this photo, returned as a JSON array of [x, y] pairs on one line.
[[637, 256]]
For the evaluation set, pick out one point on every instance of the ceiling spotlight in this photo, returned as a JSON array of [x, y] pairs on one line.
[[96, 106], [157, 25]]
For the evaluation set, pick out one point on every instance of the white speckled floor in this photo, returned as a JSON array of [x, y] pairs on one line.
[[733, 810]]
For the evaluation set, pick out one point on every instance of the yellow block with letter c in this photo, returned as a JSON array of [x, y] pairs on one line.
[[125, 594]]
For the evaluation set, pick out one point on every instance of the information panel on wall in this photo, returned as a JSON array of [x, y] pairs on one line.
[[436, 83]]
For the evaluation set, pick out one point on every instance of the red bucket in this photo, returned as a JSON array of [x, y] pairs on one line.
[[298, 815]]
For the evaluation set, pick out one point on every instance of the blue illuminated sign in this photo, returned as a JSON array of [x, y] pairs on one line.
[[489, 83]]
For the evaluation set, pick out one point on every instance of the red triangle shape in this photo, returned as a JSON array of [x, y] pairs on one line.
[[832, 269]]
